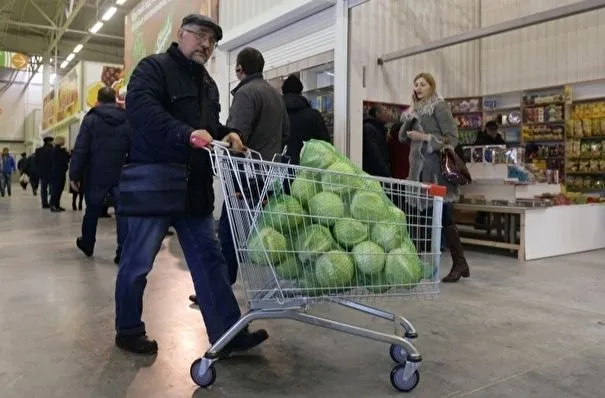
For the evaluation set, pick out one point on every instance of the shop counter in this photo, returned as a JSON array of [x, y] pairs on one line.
[[535, 233]]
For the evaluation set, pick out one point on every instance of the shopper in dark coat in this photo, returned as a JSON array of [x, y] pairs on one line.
[[375, 148], [98, 156], [44, 167], [60, 159], [306, 123], [172, 104], [258, 111], [32, 172]]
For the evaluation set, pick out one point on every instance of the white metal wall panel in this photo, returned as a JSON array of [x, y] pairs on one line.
[[307, 37], [235, 12], [564, 51], [382, 26]]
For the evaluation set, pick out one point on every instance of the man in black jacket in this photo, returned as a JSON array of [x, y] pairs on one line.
[[97, 159], [60, 165], [306, 123], [172, 105], [375, 146], [44, 168]]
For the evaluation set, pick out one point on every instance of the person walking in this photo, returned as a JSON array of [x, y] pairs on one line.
[[7, 168], [98, 156], [60, 164], [44, 168], [172, 104]]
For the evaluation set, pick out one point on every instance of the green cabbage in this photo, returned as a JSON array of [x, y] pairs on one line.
[[326, 208], [312, 242], [340, 184], [288, 268], [403, 268], [334, 269], [369, 206], [388, 236], [305, 187], [349, 232], [317, 154], [270, 241], [369, 258], [282, 213]]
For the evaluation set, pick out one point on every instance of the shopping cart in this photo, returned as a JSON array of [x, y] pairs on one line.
[[307, 236]]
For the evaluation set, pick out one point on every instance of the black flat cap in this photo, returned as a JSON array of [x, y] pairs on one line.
[[202, 20]]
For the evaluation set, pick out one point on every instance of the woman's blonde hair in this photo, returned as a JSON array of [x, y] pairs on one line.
[[430, 80]]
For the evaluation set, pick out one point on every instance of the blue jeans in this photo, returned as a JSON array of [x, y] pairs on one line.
[[5, 183], [95, 196], [228, 249], [206, 263]]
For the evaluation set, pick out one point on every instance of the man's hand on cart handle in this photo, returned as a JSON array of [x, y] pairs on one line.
[[235, 142], [200, 139]]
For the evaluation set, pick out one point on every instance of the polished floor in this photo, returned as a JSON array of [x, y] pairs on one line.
[[512, 330]]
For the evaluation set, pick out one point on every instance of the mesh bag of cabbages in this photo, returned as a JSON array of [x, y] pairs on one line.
[[336, 230]]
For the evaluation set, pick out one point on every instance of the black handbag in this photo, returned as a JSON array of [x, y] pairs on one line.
[[153, 190]]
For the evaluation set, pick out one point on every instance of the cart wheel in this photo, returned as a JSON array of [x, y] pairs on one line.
[[204, 380], [398, 353], [399, 381]]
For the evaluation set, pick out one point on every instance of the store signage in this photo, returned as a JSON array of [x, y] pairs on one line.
[[69, 95], [49, 110], [13, 60], [97, 76], [152, 25]]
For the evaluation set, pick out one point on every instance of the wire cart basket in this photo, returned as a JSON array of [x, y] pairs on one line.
[[306, 236]]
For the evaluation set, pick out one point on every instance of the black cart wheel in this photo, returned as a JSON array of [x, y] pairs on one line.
[[202, 380], [399, 381]]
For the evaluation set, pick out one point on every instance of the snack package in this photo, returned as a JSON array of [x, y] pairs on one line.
[[594, 166], [584, 166], [587, 127], [577, 129], [602, 126], [602, 165]]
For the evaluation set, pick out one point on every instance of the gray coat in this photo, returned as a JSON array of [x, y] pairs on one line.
[[258, 112], [435, 118]]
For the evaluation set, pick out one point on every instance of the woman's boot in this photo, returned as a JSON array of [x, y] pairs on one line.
[[460, 266]]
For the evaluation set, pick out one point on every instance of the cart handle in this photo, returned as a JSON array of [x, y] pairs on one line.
[[217, 147]]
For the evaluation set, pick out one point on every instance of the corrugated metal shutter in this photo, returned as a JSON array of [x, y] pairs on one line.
[[302, 39]]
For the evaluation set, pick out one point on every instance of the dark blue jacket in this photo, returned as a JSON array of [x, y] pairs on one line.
[[44, 161], [101, 147], [60, 158], [168, 98]]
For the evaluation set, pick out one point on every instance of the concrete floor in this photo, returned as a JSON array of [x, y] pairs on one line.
[[512, 330]]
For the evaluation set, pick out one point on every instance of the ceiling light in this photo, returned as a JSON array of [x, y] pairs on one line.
[[96, 27], [70, 57], [120, 2], [109, 13], [78, 48], [64, 64]]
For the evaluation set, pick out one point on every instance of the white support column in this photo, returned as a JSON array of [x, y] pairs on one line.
[[341, 79], [46, 72]]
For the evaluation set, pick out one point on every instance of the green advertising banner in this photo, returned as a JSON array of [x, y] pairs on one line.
[[13, 60], [152, 25]]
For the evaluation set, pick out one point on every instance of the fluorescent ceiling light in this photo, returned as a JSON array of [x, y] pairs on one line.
[[109, 13], [64, 64], [96, 27], [120, 2], [70, 57], [78, 48]]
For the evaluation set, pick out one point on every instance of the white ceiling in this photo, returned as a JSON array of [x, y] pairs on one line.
[[55, 27]]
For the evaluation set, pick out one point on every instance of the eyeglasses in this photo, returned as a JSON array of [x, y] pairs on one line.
[[203, 36]]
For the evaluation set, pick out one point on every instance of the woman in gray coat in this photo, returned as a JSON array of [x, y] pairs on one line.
[[433, 128]]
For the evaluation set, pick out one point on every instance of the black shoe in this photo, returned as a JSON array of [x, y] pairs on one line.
[[46, 207], [86, 250], [244, 341], [55, 209], [137, 344], [193, 299]]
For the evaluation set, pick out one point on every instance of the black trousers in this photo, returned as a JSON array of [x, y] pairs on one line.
[[56, 190]]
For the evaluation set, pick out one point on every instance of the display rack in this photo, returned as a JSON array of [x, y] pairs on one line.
[[468, 115], [545, 113], [585, 155]]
